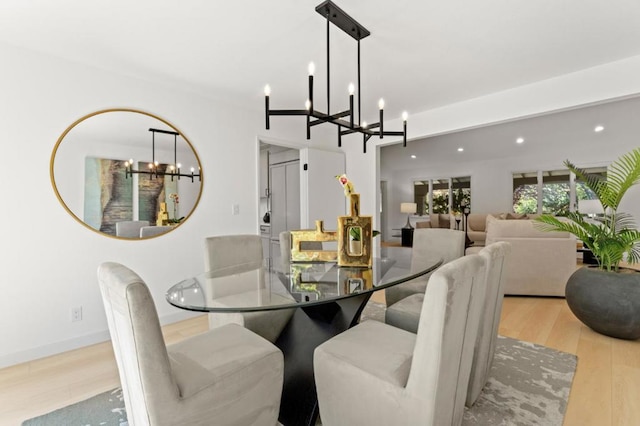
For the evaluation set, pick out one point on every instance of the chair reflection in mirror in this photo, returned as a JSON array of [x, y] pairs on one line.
[[152, 231], [130, 228]]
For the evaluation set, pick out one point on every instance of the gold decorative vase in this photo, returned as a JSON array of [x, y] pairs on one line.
[[355, 236]]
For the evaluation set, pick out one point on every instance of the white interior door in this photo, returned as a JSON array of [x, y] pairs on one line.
[[321, 195]]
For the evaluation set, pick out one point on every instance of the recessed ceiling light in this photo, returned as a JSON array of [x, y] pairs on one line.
[[460, 149], [519, 140], [413, 156], [598, 128]]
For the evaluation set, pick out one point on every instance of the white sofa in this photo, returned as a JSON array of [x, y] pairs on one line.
[[540, 262], [477, 224]]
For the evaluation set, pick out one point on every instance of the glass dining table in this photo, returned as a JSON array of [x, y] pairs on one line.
[[325, 298]]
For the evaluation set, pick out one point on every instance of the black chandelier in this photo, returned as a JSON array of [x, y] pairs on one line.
[[346, 23], [153, 168]]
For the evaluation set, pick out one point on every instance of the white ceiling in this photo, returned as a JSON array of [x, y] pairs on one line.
[[548, 131], [421, 53]]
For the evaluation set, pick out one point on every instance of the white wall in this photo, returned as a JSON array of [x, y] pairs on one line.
[[48, 260]]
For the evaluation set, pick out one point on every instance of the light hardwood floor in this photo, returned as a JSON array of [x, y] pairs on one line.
[[606, 387]]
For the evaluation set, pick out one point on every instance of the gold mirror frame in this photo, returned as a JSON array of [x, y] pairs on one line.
[[127, 110]]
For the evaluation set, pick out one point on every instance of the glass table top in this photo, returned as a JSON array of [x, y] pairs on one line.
[[252, 287]]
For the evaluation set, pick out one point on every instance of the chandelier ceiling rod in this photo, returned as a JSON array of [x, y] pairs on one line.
[[342, 20], [153, 166]]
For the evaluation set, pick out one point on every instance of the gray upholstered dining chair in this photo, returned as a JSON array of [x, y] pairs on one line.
[[406, 315], [376, 374], [232, 250], [130, 228], [227, 376], [428, 243], [495, 255], [152, 231]]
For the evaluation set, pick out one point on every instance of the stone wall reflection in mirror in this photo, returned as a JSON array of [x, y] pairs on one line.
[[88, 172]]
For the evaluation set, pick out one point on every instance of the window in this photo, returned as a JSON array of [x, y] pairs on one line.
[[584, 193], [525, 192], [461, 193], [554, 190], [442, 195], [420, 195]]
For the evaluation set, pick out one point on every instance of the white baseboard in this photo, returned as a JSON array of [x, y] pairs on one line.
[[77, 342]]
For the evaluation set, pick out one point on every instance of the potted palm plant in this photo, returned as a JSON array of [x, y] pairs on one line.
[[606, 297]]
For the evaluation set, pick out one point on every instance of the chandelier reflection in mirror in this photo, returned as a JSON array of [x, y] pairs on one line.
[[173, 170], [342, 20]]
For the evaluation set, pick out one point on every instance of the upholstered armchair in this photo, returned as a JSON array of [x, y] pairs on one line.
[[233, 250], [376, 374], [227, 376], [428, 243]]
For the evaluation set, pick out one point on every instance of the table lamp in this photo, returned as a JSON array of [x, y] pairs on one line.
[[409, 208]]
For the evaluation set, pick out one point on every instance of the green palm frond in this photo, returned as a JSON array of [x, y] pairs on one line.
[[615, 233], [594, 182], [623, 174], [624, 221]]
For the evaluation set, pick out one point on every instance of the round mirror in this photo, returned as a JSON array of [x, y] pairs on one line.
[[126, 174]]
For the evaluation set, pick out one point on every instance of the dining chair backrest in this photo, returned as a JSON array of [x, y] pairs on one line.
[[140, 351], [231, 250], [152, 231], [485, 348], [228, 251], [446, 335], [130, 228], [428, 244], [434, 243]]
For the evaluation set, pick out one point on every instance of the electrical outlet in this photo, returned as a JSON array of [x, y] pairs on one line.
[[235, 209], [76, 314]]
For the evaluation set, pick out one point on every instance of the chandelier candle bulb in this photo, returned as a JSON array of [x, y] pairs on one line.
[[351, 91], [381, 106], [267, 92]]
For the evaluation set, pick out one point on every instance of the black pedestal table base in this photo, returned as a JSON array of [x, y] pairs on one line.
[[308, 328]]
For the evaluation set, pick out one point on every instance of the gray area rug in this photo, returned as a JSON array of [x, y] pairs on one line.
[[529, 385]]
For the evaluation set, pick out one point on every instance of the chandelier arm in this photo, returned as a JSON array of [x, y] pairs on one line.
[[288, 112], [175, 156], [156, 173], [153, 147], [359, 91], [365, 138], [328, 59], [404, 136], [324, 118]]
